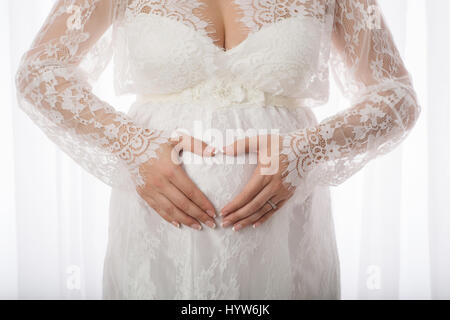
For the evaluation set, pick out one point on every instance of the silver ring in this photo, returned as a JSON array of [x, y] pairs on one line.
[[273, 205]]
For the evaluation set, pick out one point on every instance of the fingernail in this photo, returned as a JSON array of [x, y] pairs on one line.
[[196, 226], [225, 150], [223, 212], [176, 224], [211, 213], [211, 224], [226, 224], [237, 227], [256, 225], [210, 150]]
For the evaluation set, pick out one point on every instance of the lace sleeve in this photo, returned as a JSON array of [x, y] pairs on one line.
[[384, 107], [54, 88]]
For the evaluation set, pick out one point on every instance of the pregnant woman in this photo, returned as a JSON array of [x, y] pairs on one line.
[[190, 219]]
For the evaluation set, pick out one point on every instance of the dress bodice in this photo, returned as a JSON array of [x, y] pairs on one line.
[[165, 52]]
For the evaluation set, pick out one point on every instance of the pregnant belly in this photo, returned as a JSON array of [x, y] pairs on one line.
[[220, 178]]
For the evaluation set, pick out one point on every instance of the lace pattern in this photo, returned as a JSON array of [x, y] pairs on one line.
[[259, 13], [186, 12]]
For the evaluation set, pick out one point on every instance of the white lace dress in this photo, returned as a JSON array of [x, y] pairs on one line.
[[165, 52]]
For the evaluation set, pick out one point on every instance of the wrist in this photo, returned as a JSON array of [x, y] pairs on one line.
[[297, 147], [142, 149], [302, 152]]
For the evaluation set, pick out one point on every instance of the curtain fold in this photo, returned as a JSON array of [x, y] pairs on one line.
[[392, 218]]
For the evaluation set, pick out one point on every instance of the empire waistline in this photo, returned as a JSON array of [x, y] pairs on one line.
[[222, 95]]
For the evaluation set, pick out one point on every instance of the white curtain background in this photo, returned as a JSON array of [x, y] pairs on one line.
[[392, 218]]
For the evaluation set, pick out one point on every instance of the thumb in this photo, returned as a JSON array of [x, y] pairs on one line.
[[199, 147], [241, 146]]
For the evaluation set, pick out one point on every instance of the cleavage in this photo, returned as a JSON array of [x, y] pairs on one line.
[[224, 27]]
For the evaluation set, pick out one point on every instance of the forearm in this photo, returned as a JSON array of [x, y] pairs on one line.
[[54, 91], [336, 148]]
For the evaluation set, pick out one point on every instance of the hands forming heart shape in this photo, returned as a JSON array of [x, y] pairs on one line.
[[173, 195]]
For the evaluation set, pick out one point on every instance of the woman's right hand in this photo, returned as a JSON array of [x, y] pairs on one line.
[[169, 190]]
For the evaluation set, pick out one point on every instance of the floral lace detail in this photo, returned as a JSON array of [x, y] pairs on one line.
[[258, 13], [187, 12], [54, 91], [368, 67]]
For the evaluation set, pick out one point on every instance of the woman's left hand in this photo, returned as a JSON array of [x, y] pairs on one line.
[[253, 206]]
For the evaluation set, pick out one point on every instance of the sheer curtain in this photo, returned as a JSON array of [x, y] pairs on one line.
[[392, 218]]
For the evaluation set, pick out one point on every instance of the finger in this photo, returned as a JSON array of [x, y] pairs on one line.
[[186, 206], [265, 217], [161, 212], [199, 147], [240, 146], [174, 213], [182, 181], [252, 218], [251, 189], [279, 197], [250, 208]]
